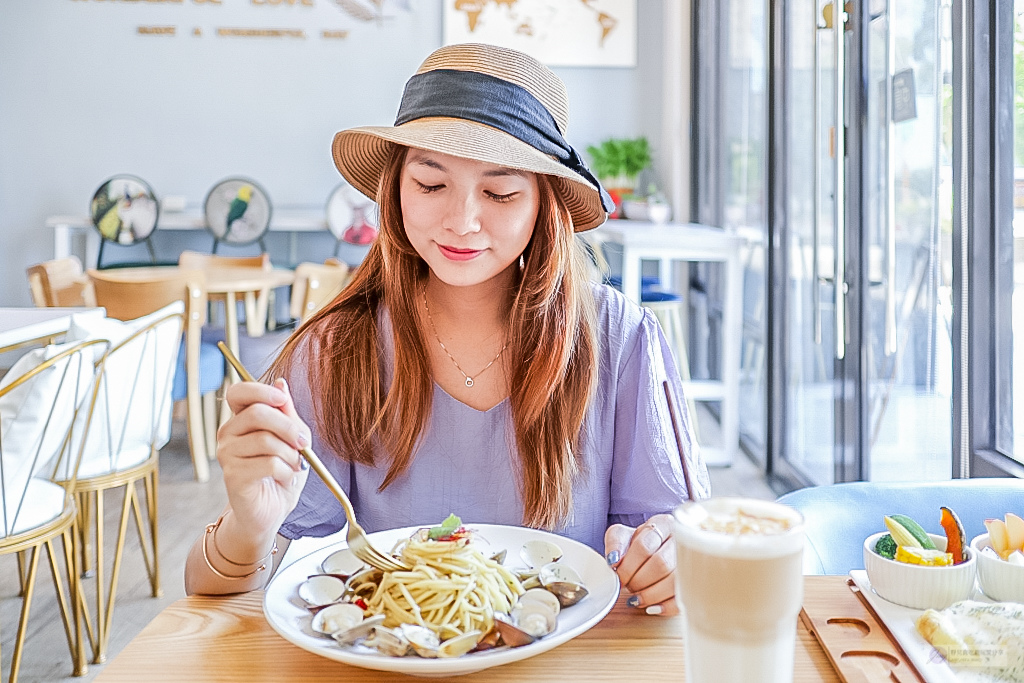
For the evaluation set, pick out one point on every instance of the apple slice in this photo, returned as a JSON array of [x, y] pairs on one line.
[[1014, 532], [997, 536]]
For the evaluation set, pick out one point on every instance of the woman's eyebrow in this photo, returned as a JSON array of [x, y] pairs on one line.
[[503, 171]]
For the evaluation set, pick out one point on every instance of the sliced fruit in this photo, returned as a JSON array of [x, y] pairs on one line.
[[1014, 532], [955, 537], [906, 531], [927, 557], [997, 537]]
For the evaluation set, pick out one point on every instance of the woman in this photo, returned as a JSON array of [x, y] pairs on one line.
[[470, 366]]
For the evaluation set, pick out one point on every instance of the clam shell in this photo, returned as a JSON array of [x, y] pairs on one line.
[[535, 618], [388, 641], [459, 645], [342, 562], [511, 635], [542, 596], [321, 590], [539, 552], [337, 618], [423, 641], [564, 582], [360, 630]]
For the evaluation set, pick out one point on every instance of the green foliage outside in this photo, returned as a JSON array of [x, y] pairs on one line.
[[617, 161]]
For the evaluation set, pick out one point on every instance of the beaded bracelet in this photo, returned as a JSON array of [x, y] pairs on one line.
[[211, 530]]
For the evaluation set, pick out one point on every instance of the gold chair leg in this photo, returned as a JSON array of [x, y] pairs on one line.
[[75, 586], [98, 651], [21, 573], [105, 617], [84, 525], [153, 493], [62, 603], [151, 561], [26, 605]]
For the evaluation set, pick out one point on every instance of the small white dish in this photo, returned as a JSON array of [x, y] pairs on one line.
[[917, 586], [997, 578]]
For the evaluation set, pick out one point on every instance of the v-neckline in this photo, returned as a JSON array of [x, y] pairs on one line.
[[469, 407]]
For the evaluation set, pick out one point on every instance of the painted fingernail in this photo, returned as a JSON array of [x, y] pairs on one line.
[[634, 601], [295, 480], [613, 556], [653, 609], [303, 465]]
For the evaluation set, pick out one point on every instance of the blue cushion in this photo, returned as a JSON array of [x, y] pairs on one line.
[[656, 295], [211, 370], [839, 517]]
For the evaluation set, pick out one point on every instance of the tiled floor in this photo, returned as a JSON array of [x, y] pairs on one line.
[[185, 506]]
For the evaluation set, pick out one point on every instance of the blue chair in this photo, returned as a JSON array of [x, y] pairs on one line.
[[838, 517]]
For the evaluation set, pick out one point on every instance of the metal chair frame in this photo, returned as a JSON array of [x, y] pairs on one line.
[[28, 544]]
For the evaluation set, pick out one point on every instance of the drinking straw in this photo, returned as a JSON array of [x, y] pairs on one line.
[[679, 441]]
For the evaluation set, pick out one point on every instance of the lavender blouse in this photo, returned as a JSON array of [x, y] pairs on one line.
[[465, 462]]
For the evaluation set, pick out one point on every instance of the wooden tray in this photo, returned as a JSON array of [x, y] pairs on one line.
[[856, 641]]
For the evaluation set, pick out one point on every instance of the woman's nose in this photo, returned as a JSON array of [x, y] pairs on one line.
[[463, 215]]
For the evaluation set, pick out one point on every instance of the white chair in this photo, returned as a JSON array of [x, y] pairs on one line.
[[45, 403], [131, 421]]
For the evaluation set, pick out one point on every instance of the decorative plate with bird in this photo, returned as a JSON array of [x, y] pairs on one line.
[[124, 209], [237, 211]]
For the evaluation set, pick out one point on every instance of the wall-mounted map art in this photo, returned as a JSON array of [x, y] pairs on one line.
[[237, 211], [556, 32], [124, 209]]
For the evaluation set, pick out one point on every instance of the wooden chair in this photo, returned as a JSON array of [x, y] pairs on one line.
[[315, 285], [256, 304], [200, 370], [41, 399], [130, 421], [60, 282]]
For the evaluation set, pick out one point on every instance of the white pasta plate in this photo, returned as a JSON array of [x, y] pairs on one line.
[[288, 615]]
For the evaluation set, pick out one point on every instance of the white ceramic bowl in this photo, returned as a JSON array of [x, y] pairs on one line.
[[916, 586], [1000, 580]]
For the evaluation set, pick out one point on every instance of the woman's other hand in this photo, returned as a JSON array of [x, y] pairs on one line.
[[645, 560], [258, 450]]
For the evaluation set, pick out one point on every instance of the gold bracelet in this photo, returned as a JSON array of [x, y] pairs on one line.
[[211, 530]]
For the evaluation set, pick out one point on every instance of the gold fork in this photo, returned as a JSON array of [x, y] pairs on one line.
[[356, 537]]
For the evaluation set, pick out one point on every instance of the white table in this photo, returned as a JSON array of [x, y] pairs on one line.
[[291, 221], [23, 325], [640, 241]]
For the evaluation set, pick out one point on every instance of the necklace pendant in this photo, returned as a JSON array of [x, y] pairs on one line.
[[469, 381]]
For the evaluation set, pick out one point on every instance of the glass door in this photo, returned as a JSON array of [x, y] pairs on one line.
[[865, 354]]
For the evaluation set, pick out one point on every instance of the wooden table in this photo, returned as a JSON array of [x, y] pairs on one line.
[[228, 639], [688, 242], [230, 282], [20, 326]]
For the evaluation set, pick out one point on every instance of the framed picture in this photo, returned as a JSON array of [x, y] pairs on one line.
[[124, 210], [237, 211], [555, 32]]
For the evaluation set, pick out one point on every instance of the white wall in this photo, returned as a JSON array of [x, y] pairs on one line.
[[84, 96]]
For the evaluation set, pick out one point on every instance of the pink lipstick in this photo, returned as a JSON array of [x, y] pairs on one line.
[[455, 254]]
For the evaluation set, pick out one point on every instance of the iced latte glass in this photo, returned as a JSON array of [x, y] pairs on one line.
[[739, 582]]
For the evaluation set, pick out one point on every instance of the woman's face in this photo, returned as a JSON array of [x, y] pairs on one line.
[[469, 220]]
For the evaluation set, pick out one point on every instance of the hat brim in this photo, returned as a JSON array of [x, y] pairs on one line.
[[361, 154]]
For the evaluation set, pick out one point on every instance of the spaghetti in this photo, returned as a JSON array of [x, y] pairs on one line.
[[451, 589]]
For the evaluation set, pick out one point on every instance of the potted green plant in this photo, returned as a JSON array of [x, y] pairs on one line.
[[617, 162]]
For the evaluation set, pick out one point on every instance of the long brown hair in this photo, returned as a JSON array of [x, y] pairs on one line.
[[551, 358]]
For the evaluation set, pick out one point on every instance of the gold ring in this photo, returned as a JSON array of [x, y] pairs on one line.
[[653, 527]]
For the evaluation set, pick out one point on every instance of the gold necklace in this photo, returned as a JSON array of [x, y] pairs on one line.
[[469, 380]]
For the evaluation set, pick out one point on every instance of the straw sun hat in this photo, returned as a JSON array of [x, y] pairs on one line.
[[485, 103]]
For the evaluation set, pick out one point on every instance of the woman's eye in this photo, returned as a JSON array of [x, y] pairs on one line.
[[427, 189], [501, 198]]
